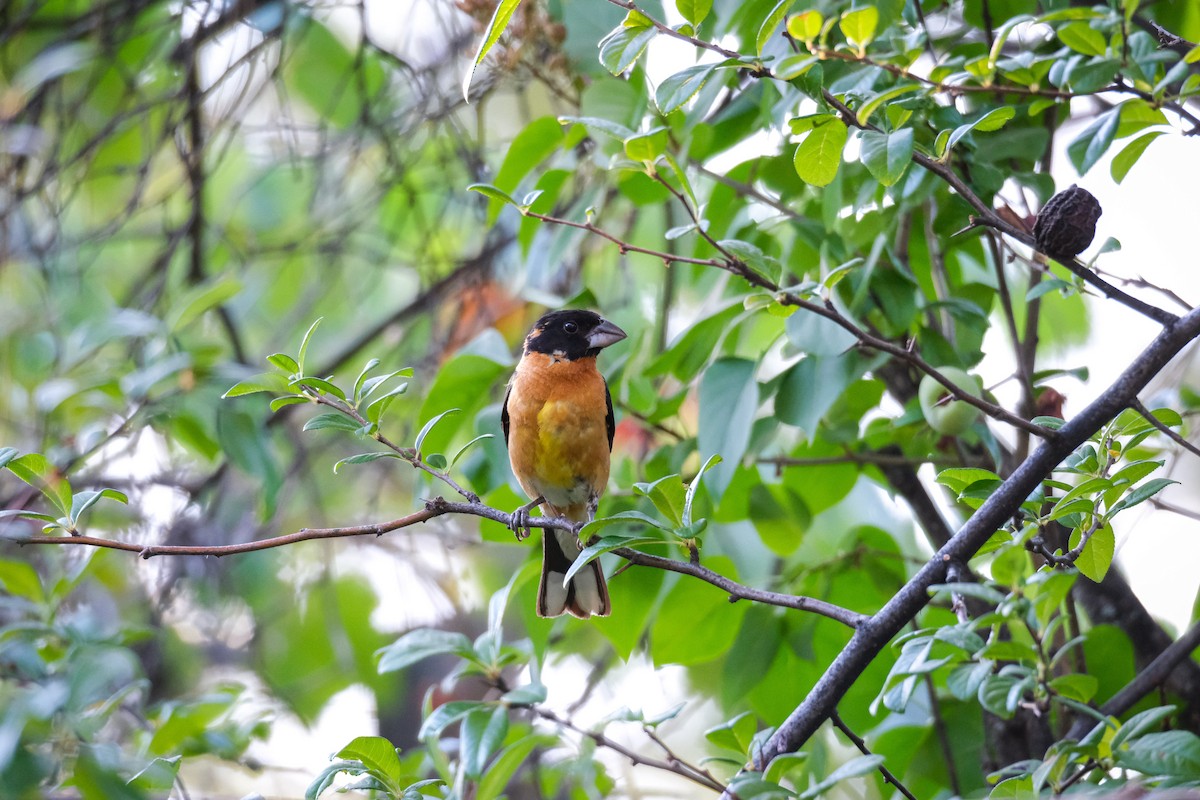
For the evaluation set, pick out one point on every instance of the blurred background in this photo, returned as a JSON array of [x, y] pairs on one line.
[[186, 188]]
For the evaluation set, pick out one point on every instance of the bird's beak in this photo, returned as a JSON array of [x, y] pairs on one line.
[[603, 335]]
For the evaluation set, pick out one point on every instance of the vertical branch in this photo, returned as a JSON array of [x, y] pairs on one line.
[[193, 161], [194, 164]]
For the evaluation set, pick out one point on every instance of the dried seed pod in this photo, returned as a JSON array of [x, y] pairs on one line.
[[1066, 225]]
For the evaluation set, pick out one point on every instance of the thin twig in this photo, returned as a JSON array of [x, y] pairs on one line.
[[1137, 406], [675, 765], [836, 719]]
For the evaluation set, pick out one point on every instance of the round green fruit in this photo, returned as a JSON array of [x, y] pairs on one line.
[[945, 414]]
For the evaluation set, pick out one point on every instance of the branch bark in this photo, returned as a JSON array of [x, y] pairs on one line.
[[870, 638]]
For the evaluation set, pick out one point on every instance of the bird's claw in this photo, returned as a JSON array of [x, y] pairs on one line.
[[520, 520]]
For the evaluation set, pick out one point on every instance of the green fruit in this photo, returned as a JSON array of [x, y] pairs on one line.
[[951, 417]]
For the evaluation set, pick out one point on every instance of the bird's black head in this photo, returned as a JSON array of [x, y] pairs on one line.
[[572, 334]]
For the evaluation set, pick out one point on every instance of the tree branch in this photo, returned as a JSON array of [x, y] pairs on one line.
[[1147, 680], [871, 637], [437, 507], [858, 742]]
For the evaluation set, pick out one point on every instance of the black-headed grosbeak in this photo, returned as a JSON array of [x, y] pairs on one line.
[[558, 424]]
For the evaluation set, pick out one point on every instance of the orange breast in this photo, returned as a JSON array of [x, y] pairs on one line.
[[558, 434]]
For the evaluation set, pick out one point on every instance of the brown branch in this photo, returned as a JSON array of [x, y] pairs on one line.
[[302, 535], [437, 507], [737, 591], [826, 310]]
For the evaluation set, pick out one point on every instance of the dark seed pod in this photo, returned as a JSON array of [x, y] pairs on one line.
[[1066, 225]]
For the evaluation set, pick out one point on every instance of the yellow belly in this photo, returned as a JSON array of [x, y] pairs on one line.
[[558, 435]]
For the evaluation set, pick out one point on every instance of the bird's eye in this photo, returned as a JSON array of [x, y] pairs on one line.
[[571, 327]]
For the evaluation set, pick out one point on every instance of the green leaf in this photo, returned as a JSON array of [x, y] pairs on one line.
[[957, 479], [289, 400], [667, 494], [810, 388], [982, 591], [1140, 723], [7, 454], [429, 427], [84, 500], [728, 403], [1083, 38], [483, 732], [806, 25], [694, 11], [304, 344], [820, 154], [247, 445], [332, 420], [593, 527], [859, 26], [861, 765], [21, 580], [37, 471], [318, 384], [363, 458], [370, 385], [1124, 161], [420, 644], [272, 382], [753, 257], [863, 115], [608, 127], [1170, 753], [379, 756], [1140, 494], [468, 445], [492, 193], [204, 297], [678, 89], [284, 362], [694, 486], [993, 120], [802, 125], [445, 715], [491, 35], [736, 734], [1097, 554], [887, 155], [529, 148], [647, 146], [692, 350], [770, 23], [356, 395], [1090, 145], [497, 777], [1077, 687], [622, 47]]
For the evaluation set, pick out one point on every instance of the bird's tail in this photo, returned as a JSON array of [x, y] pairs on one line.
[[586, 593]]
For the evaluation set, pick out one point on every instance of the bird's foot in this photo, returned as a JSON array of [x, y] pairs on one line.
[[520, 519]]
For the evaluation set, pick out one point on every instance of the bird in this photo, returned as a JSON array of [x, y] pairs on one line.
[[558, 424]]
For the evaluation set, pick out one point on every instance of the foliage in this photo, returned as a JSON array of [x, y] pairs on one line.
[[808, 224]]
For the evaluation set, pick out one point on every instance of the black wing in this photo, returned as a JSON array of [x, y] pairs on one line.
[[504, 418], [610, 421]]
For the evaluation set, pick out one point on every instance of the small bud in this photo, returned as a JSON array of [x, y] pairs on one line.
[[1066, 225]]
